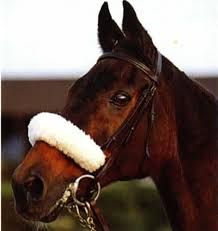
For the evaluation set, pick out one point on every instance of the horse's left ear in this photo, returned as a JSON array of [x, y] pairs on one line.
[[108, 31], [134, 31]]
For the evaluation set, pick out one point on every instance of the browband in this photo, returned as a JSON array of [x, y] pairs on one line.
[[152, 76]]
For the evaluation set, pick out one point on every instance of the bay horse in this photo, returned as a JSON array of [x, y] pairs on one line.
[[149, 119]]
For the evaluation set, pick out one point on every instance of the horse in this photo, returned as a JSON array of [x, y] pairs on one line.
[[149, 119]]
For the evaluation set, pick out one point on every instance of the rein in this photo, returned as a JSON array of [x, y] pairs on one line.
[[87, 211]]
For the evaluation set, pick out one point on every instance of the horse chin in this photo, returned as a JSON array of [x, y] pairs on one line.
[[52, 215], [42, 213], [47, 217]]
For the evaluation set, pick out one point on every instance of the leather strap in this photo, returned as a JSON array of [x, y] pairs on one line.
[[125, 131], [99, 218], [123, 134], [152, 76]]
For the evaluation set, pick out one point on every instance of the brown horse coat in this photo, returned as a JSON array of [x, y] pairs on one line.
[[183, 144]]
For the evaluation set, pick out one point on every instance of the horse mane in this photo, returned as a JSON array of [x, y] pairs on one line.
[[196, 114]]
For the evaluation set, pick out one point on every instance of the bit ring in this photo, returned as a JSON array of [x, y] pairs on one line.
[[95, 193]]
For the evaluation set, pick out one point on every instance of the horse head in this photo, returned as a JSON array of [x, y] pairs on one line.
[[125, 104], [99, 103]]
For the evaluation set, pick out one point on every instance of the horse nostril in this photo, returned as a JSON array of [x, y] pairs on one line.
[[34, 188]]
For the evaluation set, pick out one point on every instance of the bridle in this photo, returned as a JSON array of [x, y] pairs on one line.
[[120, 138], [124, 133]]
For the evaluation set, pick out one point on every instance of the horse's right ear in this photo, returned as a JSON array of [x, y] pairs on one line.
[[108, 31]]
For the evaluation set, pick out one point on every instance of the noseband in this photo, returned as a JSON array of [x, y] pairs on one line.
[[120, 138]]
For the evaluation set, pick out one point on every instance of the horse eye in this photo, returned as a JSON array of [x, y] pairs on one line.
[[120, 99]]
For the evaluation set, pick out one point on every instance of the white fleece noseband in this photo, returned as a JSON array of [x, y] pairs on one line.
[[66, 137]]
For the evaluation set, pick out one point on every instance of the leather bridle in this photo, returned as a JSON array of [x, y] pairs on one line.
[[120, 138]]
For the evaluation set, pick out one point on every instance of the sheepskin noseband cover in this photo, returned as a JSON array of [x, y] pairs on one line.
[[66, 137]]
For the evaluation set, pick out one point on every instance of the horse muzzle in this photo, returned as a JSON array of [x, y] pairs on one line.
[[28, 192]]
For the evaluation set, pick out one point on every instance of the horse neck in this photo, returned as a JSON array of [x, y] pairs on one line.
[[188, 178]]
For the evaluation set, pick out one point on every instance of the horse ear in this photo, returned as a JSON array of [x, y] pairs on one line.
[[108, 31], [134, 31]]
